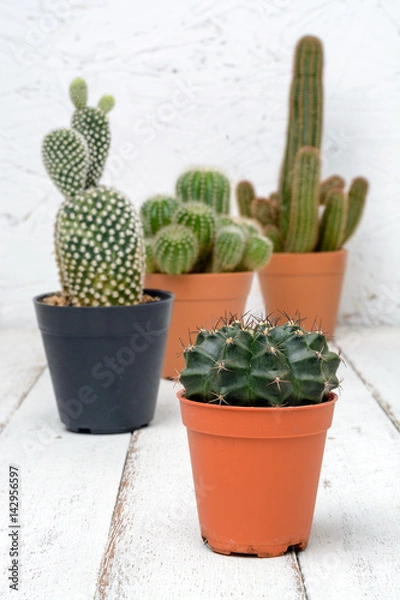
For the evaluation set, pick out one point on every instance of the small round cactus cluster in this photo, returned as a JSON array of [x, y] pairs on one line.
[[99, 241], [193, 237], [258, 363]]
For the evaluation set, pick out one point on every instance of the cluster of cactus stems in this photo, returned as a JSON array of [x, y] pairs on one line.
[[195, 233], [259, 363], [306, 215], [99, 241]]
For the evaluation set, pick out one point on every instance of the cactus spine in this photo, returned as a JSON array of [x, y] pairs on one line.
[[357, 196], [175, 249], [259, 364], [244, 196], [302, 234], [99, 242], [305, 115], [333, 221], [210, 187], [157, 212]]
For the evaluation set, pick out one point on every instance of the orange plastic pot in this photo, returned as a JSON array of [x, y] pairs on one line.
[[200, 300], [256, 473], [309, 284]]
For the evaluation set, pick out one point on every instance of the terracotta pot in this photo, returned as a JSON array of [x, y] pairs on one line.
[[309, 284], [256, 473], [200, 299]]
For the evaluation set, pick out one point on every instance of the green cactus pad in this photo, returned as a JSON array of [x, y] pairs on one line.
[[100, 248], [210, 187], [93, 124], [229, 245], [302, 234], [78, 92], [175, 249], [257, 253], [305, 115], [65, 155], [245, 194], [259, 364], [106, 103], [333, 221], [156, 212], [357, 197], [200, 218]]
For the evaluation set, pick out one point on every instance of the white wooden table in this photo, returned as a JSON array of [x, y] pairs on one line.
[[114, 517]]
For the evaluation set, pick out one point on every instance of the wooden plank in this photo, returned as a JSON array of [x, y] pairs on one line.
[[374, 353], [22, 362], [155, 550], [69, 485], [354, 550]]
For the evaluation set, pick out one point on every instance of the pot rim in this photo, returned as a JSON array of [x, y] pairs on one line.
[[150, 291]]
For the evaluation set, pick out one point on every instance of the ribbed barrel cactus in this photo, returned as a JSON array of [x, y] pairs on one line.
[[257, 363], [157, 212], [99, 243], [290, 217]]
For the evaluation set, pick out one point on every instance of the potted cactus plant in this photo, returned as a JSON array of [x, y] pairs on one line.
[[308, 221], [104, 336], [200, 253], [257, 403]]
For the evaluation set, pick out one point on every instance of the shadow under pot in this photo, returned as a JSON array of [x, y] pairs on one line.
[[105, 362]]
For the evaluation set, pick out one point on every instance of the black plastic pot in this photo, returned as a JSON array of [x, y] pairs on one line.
[[105, 362]]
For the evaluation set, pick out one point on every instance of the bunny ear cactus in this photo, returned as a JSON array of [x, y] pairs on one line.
[[93, 125], [259, 364], [210, 187], [99, 243]]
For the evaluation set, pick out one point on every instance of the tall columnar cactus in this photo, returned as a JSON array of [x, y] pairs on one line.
[[210, 187], [175, 249], [302, 233], [200, 218], [93, 124], [333, 222], [357, 196], [259, 364], [156, 212], [305, 115], [100, 248], [245, 194], [99, 242]]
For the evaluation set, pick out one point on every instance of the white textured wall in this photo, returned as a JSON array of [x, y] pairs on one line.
[[199, 82]]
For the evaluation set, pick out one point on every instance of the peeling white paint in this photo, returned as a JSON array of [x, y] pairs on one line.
[[199, 82]]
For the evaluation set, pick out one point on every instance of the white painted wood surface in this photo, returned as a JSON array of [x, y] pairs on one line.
[[114, 517]]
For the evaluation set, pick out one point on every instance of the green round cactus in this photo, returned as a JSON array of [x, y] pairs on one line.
[[229, 245], [65, 155], [210, 187], [175, 249], [259, 364], [100, 249], [200, 218], [156, 212], [257, 253]]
